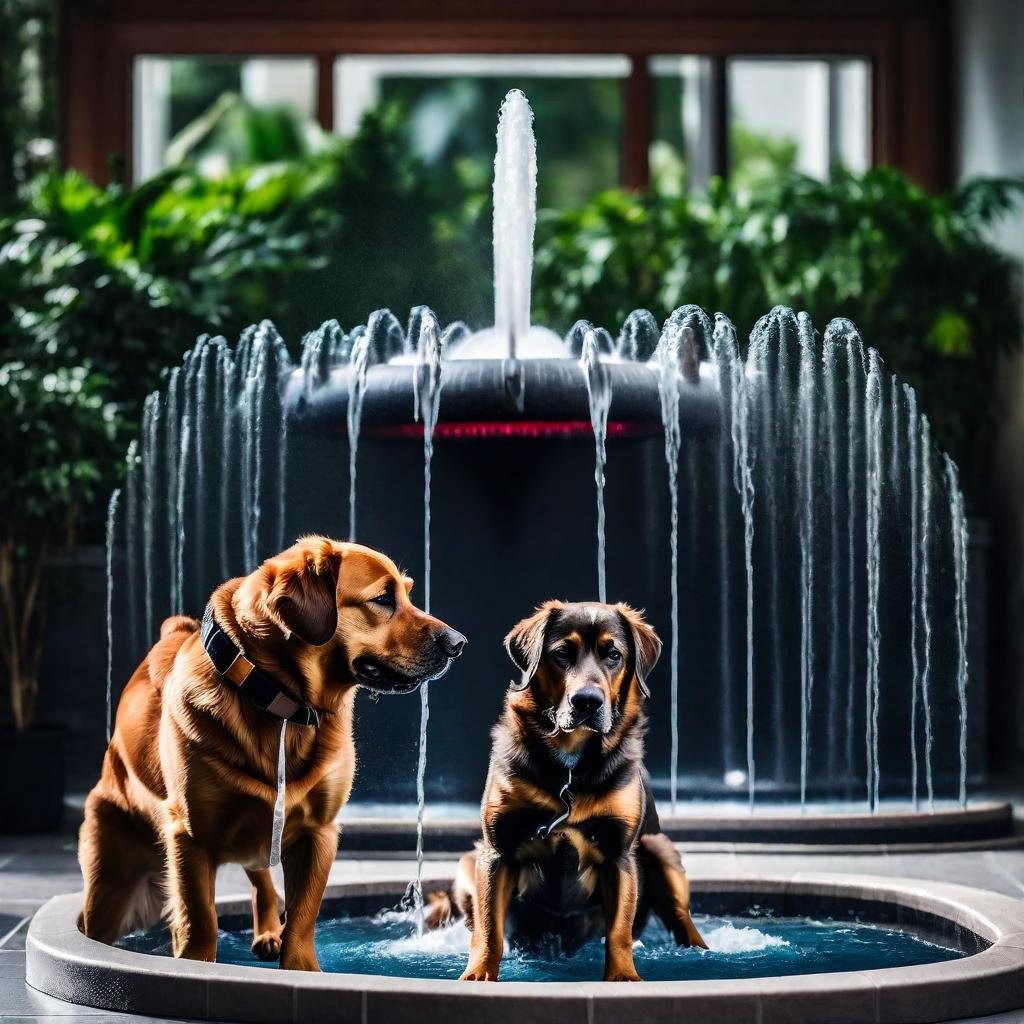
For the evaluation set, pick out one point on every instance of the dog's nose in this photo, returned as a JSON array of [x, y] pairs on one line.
[[588, 700], [451, 641]]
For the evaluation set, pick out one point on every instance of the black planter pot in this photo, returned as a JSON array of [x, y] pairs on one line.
[[32, 779]]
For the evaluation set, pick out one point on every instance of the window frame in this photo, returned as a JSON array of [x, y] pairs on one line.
[[906, 43]]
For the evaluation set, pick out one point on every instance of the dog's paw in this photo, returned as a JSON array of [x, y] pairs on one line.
[[478, 974], [623, 975], [300, 962], [267, 945]]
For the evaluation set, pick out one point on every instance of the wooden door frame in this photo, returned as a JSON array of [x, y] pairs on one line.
[[906, 41]]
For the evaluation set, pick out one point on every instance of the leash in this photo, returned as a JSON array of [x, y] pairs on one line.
[[260, 687], [566, 795]]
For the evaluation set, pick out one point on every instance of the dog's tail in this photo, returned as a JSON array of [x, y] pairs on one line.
[[439, 910], [178, 624]]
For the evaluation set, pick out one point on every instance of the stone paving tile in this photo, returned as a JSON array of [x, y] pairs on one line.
[[14, 937]]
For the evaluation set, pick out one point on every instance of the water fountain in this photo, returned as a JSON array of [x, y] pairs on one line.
[[780, 512]]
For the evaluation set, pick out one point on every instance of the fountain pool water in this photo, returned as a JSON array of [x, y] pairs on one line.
[[390, 943]]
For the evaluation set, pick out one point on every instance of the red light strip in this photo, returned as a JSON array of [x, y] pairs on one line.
[[470, 430]]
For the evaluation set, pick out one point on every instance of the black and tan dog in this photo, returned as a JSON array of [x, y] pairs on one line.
[[571, 840]]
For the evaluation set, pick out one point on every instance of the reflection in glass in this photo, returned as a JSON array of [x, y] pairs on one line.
[[209, 109], [451, 103], [796, 114]]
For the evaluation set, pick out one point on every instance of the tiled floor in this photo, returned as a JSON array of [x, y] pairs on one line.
[[33, 869]]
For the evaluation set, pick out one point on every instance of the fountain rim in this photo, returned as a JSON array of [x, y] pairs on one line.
[[62, 962], [982, 824]]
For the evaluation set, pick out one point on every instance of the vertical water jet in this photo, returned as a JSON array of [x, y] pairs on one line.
[[112, 507], [926, 618], [873, 504], [913, 456], [667, 357], [958, 526], [806, 437], [515, 216], [599, 399], [428, 404]]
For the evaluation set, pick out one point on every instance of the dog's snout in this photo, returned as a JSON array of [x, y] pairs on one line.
[[451, 641], [587, 700]]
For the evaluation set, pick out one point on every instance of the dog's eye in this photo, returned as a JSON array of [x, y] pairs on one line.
[[562, 656], [612, 656], [385, 600]]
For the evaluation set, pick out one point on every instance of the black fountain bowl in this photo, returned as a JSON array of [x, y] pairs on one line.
[[494, 391], [513, 522]]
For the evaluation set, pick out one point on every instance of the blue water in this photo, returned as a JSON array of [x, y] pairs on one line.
[[740, 947]]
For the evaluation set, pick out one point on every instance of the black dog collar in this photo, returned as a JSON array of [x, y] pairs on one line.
[[260, 687]]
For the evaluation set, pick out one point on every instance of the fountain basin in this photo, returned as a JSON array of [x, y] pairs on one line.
[[453, 828], [987, 928]]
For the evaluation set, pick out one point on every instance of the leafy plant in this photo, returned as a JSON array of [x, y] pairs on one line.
[[127, 279], [55, 435], [28, 94], [913, 271]]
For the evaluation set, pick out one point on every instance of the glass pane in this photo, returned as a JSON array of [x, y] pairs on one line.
[[796, 114], [681, 153], [452, 104], [172, 93], [850, 113]]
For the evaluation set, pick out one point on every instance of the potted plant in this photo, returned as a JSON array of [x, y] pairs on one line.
[[55, 434]]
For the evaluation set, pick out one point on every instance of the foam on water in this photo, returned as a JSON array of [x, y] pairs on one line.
[[730, 938]]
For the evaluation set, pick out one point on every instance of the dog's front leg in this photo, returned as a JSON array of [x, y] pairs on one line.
[[266, 921], [191, 872], [619, 894], [490, 904], [307, 863]]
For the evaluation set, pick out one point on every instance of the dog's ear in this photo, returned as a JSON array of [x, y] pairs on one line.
[[646, 644], [303, 598], [525, 642]]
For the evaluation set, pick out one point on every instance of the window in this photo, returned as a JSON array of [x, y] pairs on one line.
[[452, 102], [747, 117], [804, 115], [682, 152], [172, 93], [753, 119]]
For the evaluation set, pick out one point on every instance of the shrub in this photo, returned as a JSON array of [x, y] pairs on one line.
[[913, 271], [55, 434]]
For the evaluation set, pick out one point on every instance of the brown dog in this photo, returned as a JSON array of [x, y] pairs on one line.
[[571, 839], [189, 778]]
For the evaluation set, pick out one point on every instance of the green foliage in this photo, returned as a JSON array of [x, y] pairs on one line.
[[123, 280], [55, 433], [56, 429], [757, 159], [126, 280], [234, 133], [913, 271], [28, 94]]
